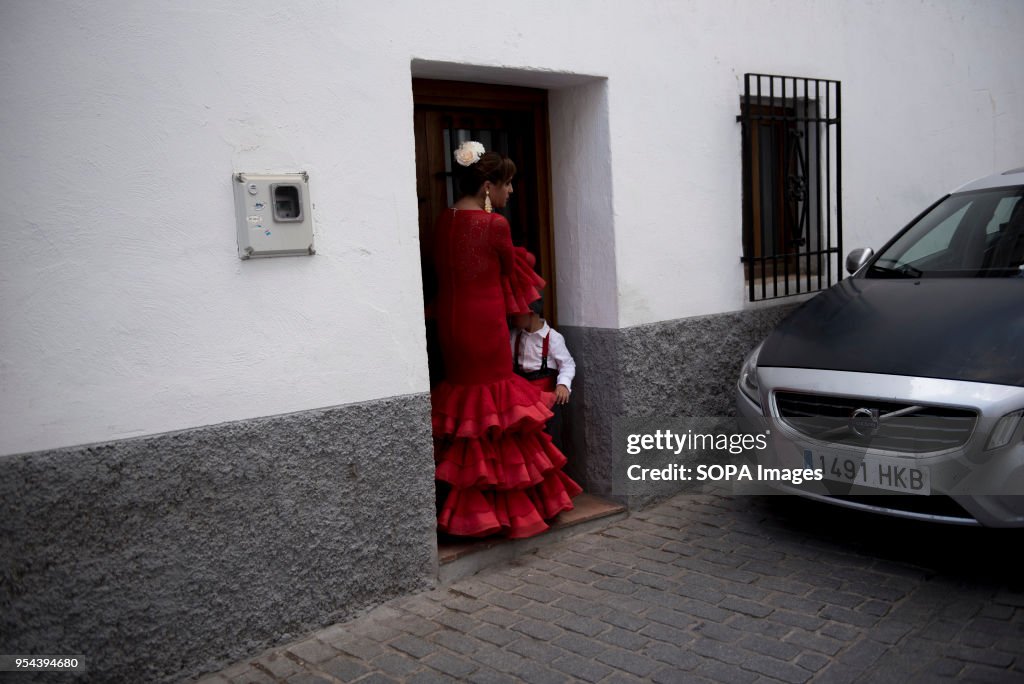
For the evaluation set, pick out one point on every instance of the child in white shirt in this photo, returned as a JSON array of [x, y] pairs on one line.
[[539, 354]]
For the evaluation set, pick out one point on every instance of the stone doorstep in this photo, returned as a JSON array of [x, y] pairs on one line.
[[458, 558]]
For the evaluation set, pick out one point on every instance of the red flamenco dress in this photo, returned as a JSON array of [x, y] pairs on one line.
[[505, 475]]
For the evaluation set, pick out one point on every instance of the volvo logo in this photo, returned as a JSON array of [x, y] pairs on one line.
[[864, 422]]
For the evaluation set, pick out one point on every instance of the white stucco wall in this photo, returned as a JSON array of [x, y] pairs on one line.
[[584, 215], [125, 310]]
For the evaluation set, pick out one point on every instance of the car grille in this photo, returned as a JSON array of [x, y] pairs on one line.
[[869, 423]]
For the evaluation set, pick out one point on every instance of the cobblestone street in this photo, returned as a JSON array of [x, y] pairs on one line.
[[699, 588]]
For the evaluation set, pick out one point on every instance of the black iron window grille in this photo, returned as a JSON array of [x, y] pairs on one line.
[[792, 185]]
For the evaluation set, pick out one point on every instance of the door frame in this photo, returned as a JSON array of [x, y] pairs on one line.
[[531, 101]]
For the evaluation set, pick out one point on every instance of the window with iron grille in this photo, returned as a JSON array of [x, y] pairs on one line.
[[792, 185]]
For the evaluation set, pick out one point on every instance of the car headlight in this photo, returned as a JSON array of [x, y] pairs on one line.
[[748, 376], [1003, 432]]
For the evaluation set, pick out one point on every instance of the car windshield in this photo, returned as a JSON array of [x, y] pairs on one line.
[[974, 234]]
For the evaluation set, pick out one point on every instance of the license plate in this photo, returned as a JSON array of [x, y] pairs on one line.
[[872, 471]]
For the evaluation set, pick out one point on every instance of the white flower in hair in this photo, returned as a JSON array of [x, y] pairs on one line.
[[469, 153]]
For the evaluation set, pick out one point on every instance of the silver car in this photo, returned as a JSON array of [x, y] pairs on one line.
[[902, 386]]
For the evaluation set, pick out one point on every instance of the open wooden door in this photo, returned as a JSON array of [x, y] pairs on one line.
[[509, 120]]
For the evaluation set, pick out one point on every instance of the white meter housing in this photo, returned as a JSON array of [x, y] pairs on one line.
[[273, 215]]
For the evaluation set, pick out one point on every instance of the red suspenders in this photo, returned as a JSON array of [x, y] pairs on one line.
[[543, 353]]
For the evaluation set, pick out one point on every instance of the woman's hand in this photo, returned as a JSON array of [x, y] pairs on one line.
[[561, 394]]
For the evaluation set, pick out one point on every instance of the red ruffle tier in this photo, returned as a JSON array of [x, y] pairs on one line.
[[488, 410], [517, 513], [513, 461]]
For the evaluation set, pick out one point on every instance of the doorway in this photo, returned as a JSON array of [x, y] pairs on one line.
[[510, 120], [513, 121]]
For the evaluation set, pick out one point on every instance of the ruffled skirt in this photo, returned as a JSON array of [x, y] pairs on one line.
[[504, 472]]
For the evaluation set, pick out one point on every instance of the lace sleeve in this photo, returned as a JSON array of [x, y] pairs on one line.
[[519, 282]]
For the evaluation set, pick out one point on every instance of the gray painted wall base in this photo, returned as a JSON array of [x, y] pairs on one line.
[[681, 368], [159, 557]]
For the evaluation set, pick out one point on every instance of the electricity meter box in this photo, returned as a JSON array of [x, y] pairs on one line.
[[273, 215]]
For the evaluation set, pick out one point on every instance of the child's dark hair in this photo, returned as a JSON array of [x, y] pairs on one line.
[[492, 167]]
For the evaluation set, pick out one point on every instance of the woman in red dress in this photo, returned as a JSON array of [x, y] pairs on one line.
[[503, 473]]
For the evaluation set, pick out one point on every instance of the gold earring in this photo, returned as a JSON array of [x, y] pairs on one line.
[[487, 201]]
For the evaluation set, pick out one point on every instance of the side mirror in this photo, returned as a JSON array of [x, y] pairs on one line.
[[857, 258]]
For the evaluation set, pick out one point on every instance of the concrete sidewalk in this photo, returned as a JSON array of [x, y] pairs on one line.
[[699, 588]]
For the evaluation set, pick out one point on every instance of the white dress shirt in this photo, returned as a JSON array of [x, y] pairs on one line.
[[531, 347]]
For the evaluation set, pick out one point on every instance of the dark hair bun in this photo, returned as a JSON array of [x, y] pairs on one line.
[[491, 166]]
